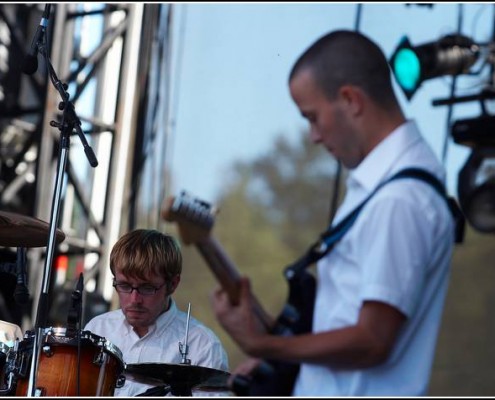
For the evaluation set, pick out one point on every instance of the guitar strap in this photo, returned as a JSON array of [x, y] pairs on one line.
[[297, 315], [332, 235]]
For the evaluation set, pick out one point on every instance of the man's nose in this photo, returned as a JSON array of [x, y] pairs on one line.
[[136, 297]]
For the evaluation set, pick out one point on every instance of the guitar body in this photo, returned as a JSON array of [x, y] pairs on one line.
[[273, 378]]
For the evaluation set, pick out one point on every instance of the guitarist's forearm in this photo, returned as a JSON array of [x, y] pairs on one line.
[[343, 348]]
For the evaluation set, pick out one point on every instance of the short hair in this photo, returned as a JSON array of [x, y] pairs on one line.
[[345, 57], [146, 251]]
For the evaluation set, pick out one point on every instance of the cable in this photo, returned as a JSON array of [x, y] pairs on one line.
[[452, 93], [338, 173]]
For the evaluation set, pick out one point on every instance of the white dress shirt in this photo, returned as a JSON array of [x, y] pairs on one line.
[[160, 344], [398, 252]]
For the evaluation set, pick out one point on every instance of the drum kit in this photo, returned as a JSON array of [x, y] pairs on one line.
[[79, 363]]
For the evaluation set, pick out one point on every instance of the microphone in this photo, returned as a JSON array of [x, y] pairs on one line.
[[74, 315], [21, 293], [31, 60], [77, 293]]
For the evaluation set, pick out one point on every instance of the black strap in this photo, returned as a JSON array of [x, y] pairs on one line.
[[332, 235]]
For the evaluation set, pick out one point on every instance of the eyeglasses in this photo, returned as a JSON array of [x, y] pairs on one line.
[[145, 290]]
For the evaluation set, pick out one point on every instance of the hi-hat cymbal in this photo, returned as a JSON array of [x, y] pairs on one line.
[[192, 376], [18, 230]]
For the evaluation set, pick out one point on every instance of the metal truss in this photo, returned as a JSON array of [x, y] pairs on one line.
[[114, 59]]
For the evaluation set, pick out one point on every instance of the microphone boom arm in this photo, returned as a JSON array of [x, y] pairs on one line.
[[69, 123]]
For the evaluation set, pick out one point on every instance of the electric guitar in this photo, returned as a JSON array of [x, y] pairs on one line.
[[195, 219]]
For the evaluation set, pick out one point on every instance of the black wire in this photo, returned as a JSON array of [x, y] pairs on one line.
[[78, 377], [335, 193], [338, 174], [450, 109]]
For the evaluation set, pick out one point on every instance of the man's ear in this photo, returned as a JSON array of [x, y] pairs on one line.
[[172, 284], [353, 99]]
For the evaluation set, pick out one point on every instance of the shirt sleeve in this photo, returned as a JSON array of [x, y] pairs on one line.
[[395, 239]]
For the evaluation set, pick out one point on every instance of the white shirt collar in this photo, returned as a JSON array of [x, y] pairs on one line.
[[377, 164]]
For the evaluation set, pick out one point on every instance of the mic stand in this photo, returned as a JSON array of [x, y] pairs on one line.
[[74, 325], [75, 311], [69, 122]]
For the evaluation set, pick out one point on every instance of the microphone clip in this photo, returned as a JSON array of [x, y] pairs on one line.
[[21, 292], [75, 311], [38, 43]]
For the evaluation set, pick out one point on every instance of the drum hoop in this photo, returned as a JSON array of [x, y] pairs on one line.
[[114, 350], [61, 336]]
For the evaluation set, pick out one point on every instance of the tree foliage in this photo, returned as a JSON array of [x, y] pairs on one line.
[[291, 188]]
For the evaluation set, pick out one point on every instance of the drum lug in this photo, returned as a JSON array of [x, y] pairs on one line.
[[100, 358], [48, 351], [120, 381], [24, 364]]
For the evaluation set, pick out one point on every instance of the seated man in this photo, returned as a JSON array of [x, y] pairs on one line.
[[148, 327]]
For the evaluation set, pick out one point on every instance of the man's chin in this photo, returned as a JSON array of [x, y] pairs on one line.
[[137, 318]]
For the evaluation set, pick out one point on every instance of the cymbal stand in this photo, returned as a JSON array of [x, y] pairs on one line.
[[184, 348], [69, 122], [180, 389]]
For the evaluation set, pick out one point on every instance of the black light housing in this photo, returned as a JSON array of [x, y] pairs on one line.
[[450, 55], [475, 132], [476, 188]]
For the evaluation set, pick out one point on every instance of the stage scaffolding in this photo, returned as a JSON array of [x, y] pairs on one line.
[[115, 60]]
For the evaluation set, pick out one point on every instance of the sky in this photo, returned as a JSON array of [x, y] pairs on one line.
[[230, 97]]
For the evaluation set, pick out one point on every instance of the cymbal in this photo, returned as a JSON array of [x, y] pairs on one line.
[[192, 376], [18, 230]]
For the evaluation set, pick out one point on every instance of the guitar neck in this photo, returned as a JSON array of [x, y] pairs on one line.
[[228, 275], [221, 266]]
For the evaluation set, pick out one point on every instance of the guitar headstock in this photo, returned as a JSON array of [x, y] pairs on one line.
[[194, 217]]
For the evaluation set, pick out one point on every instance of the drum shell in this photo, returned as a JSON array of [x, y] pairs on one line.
[[99, 370]]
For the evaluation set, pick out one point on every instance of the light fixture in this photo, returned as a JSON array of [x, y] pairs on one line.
[[450, 55], [476, 180]]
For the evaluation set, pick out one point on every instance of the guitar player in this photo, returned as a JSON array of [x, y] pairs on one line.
[[381, 289]]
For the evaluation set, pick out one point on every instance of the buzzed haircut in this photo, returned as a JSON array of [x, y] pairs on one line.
[[346, 57]]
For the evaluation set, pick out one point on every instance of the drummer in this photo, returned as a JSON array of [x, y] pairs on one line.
[[148, 326]]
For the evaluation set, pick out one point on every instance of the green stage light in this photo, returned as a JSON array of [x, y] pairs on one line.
[[407, 69], [451, 55]]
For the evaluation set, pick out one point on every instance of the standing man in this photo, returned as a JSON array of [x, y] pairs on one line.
[[381, 290], [148, 327]]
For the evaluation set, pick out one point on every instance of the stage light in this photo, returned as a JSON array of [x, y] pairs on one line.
[[451, 55], [476, 180], [475, 132]]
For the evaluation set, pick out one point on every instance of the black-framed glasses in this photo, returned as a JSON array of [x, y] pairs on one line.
[[145, 290]]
